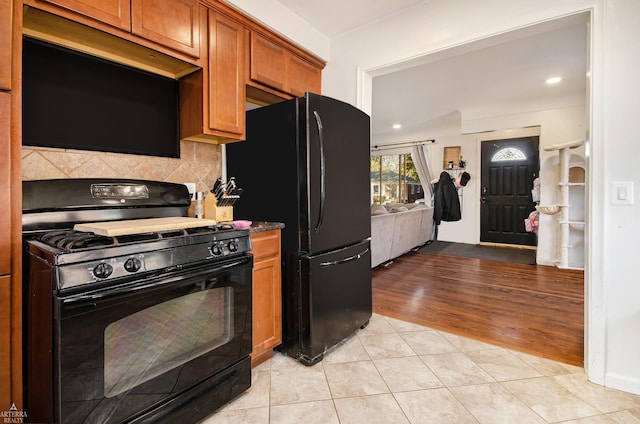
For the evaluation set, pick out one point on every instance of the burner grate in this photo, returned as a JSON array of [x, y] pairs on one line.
[[73, 240]]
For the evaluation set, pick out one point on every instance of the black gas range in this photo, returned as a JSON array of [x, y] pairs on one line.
[[137, 327]]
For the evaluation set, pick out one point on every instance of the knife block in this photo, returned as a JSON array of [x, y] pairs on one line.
[[213, 211]]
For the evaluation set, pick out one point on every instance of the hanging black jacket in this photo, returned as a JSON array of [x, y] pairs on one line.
[[446, 204]]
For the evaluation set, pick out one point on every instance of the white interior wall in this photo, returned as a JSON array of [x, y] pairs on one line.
[[614, 155], [465, 230], [612, 315]]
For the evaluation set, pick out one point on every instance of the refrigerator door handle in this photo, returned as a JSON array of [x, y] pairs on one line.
[[322, 172], [341, 261]]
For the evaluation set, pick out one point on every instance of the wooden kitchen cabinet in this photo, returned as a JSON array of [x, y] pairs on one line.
[[5, 253], [212, 100], [5, 181], [267, 297], [5, 343], [274, 65], [6, 11], [172, 23], [10, 234]]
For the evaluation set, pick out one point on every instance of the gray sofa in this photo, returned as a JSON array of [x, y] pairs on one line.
[[396, 229]]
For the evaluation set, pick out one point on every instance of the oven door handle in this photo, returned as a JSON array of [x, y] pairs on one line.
[[156, 281]]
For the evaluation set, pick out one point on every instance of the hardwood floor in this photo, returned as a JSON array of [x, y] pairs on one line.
[[529, 308]]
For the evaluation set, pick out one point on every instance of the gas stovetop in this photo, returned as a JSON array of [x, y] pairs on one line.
[[83, 257], [73, 241]]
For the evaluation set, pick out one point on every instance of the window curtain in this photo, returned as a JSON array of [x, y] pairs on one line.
[[421, 162]]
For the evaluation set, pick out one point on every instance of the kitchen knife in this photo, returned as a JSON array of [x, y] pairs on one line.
[[221, 188], [216, 185], [237, 193]]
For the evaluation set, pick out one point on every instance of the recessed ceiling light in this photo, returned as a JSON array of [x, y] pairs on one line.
[[554, 80], [396, 126]]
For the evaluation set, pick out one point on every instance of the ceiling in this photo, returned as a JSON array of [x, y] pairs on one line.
[[504, 74], [333, 17]]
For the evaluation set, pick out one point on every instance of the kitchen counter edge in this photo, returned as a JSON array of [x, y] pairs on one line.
[[260, 226]]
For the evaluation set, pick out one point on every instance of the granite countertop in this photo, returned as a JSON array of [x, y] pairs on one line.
[[259, 226]]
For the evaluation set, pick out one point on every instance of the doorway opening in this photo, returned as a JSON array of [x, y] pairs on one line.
[[555, 128]]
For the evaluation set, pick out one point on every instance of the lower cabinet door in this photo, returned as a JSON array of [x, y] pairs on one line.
[[267, 310], [267, 296]]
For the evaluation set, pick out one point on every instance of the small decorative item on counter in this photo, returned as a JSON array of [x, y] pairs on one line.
[[241, 225], [198, 210]]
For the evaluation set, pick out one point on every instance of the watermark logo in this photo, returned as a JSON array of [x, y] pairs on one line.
[[13, 415]]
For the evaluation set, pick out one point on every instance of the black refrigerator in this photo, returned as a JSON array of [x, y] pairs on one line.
[[305, 163]]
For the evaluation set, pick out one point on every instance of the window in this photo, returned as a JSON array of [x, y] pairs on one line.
[[508, 153], [144, 345], [394, 179]]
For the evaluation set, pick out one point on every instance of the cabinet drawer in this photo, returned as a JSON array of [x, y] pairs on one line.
[[265, 244]]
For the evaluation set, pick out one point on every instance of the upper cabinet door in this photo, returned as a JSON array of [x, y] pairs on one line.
[[113, 12], [172, 23], [303, 76], [268, 62], [226, 75], [5, 44], [278, 67]]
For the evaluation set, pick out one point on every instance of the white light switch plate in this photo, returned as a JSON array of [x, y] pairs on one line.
[[622, 193]]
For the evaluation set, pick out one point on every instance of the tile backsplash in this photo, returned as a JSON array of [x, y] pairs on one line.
[[199, 162]]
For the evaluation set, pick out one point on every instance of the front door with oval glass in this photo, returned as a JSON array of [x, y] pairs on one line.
[[508, 169]]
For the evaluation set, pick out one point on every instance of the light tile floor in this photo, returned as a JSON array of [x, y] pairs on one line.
[[399, 372]]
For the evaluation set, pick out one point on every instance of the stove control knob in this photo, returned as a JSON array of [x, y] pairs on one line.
[[233, 246], [132, 265], [102, 270], [216, 250]]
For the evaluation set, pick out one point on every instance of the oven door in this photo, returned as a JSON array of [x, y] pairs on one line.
[[129, 349]]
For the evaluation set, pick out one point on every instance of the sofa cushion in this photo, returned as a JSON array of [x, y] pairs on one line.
[[377, 209], [407, 206], [398, 209]]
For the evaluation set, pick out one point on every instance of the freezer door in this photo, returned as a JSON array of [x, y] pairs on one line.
[[338, 175], [336, 288]]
